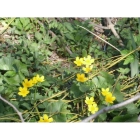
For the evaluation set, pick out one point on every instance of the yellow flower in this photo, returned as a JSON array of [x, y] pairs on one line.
[[105, 91], [37, 79], [109, 98], [93, 108], [88, 61], [87, 69], [23, 91], [89, 101], [81, 78], [45, 118], [78, 61], [40, 79], [27, 83], [34, 80]]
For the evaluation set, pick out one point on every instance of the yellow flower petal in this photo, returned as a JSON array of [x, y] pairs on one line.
[[87, 69], [27, 83], [81, 78], [88, 61], [45, 118], [109, 98], [93, 108], [23, 91], [78, 61], [89, 101], [105, 91]]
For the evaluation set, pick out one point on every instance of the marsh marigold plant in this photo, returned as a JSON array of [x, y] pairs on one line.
[[87, 67], [109, 98], [23, 91], [92, 106]]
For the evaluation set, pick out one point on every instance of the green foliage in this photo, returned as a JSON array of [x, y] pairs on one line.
[[39, 46]]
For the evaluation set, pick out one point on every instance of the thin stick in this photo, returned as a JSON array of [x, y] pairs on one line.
[[99, 26], [100, 38], [106, 109], [19, 113], [1, 33], [111, 26]]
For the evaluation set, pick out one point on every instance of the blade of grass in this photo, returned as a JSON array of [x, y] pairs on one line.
[[134, 66]]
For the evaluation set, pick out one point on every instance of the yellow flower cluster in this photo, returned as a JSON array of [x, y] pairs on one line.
[[45, 118], [92, 106], [23, 91], [86, 62], [109, 98]]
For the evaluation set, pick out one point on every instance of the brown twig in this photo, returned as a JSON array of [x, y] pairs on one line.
[[19, 113], [99, 26], [106, 109], [99, 38], [111, 26]]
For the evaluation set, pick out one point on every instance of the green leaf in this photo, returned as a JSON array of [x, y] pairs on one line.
[[132, 109], [84, 88], [10, 73], [17, 32], [124, 52], [108, 77], [96, 81], [14, 80], [2, 108], [38, 36], [54, 107], [6, 63], [123, 70], [44, 105], [34, 47], [84, 52], [128, 60], [134, 68], [117, 93], [25, 22], [60, 117], [75, 91], [41, 106], [69, 36], [100, 82], [125, 118], [68, 26], [19, 66], [102, 117], [39, 97], [137, 39], [26, 105], [18, 24], [1, 89]]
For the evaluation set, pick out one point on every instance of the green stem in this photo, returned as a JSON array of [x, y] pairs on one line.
[[37, 109], [35, 92]]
